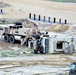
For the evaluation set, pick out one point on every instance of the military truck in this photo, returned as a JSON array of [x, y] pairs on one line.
[[13, 32]]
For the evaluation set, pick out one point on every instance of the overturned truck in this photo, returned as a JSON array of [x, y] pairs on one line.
[[58, 43]]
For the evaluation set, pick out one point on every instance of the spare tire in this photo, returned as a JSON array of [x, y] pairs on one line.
[[6, 38], [35, 51], [12, 39]]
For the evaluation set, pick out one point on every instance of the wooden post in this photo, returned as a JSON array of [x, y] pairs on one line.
[[29, 15], [34, 17], [54, 20], [59, 20], [39, 18], [48, 19], [44, 18], [65, 21]]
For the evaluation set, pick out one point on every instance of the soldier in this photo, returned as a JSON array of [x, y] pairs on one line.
[[69, 48]]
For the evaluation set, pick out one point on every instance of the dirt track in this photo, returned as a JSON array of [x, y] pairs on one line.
[[21, 9]]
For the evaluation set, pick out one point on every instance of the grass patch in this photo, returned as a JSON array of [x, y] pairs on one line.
[[30, 54], [16, 53], [10, 53], [10, 21]]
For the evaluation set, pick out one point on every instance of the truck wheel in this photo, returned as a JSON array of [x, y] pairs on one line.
[[41, 50], [6, 38], [35, 51], [12, 39]]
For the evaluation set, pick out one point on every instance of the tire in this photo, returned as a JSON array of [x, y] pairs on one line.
[[6, 38], [12, 39], [35, 51], [41, 50]]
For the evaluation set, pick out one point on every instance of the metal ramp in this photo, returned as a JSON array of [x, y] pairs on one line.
[[24, 40], [28, 35]]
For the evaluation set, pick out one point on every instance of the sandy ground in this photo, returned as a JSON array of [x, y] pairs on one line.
[[21, 9], [14, 60]]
